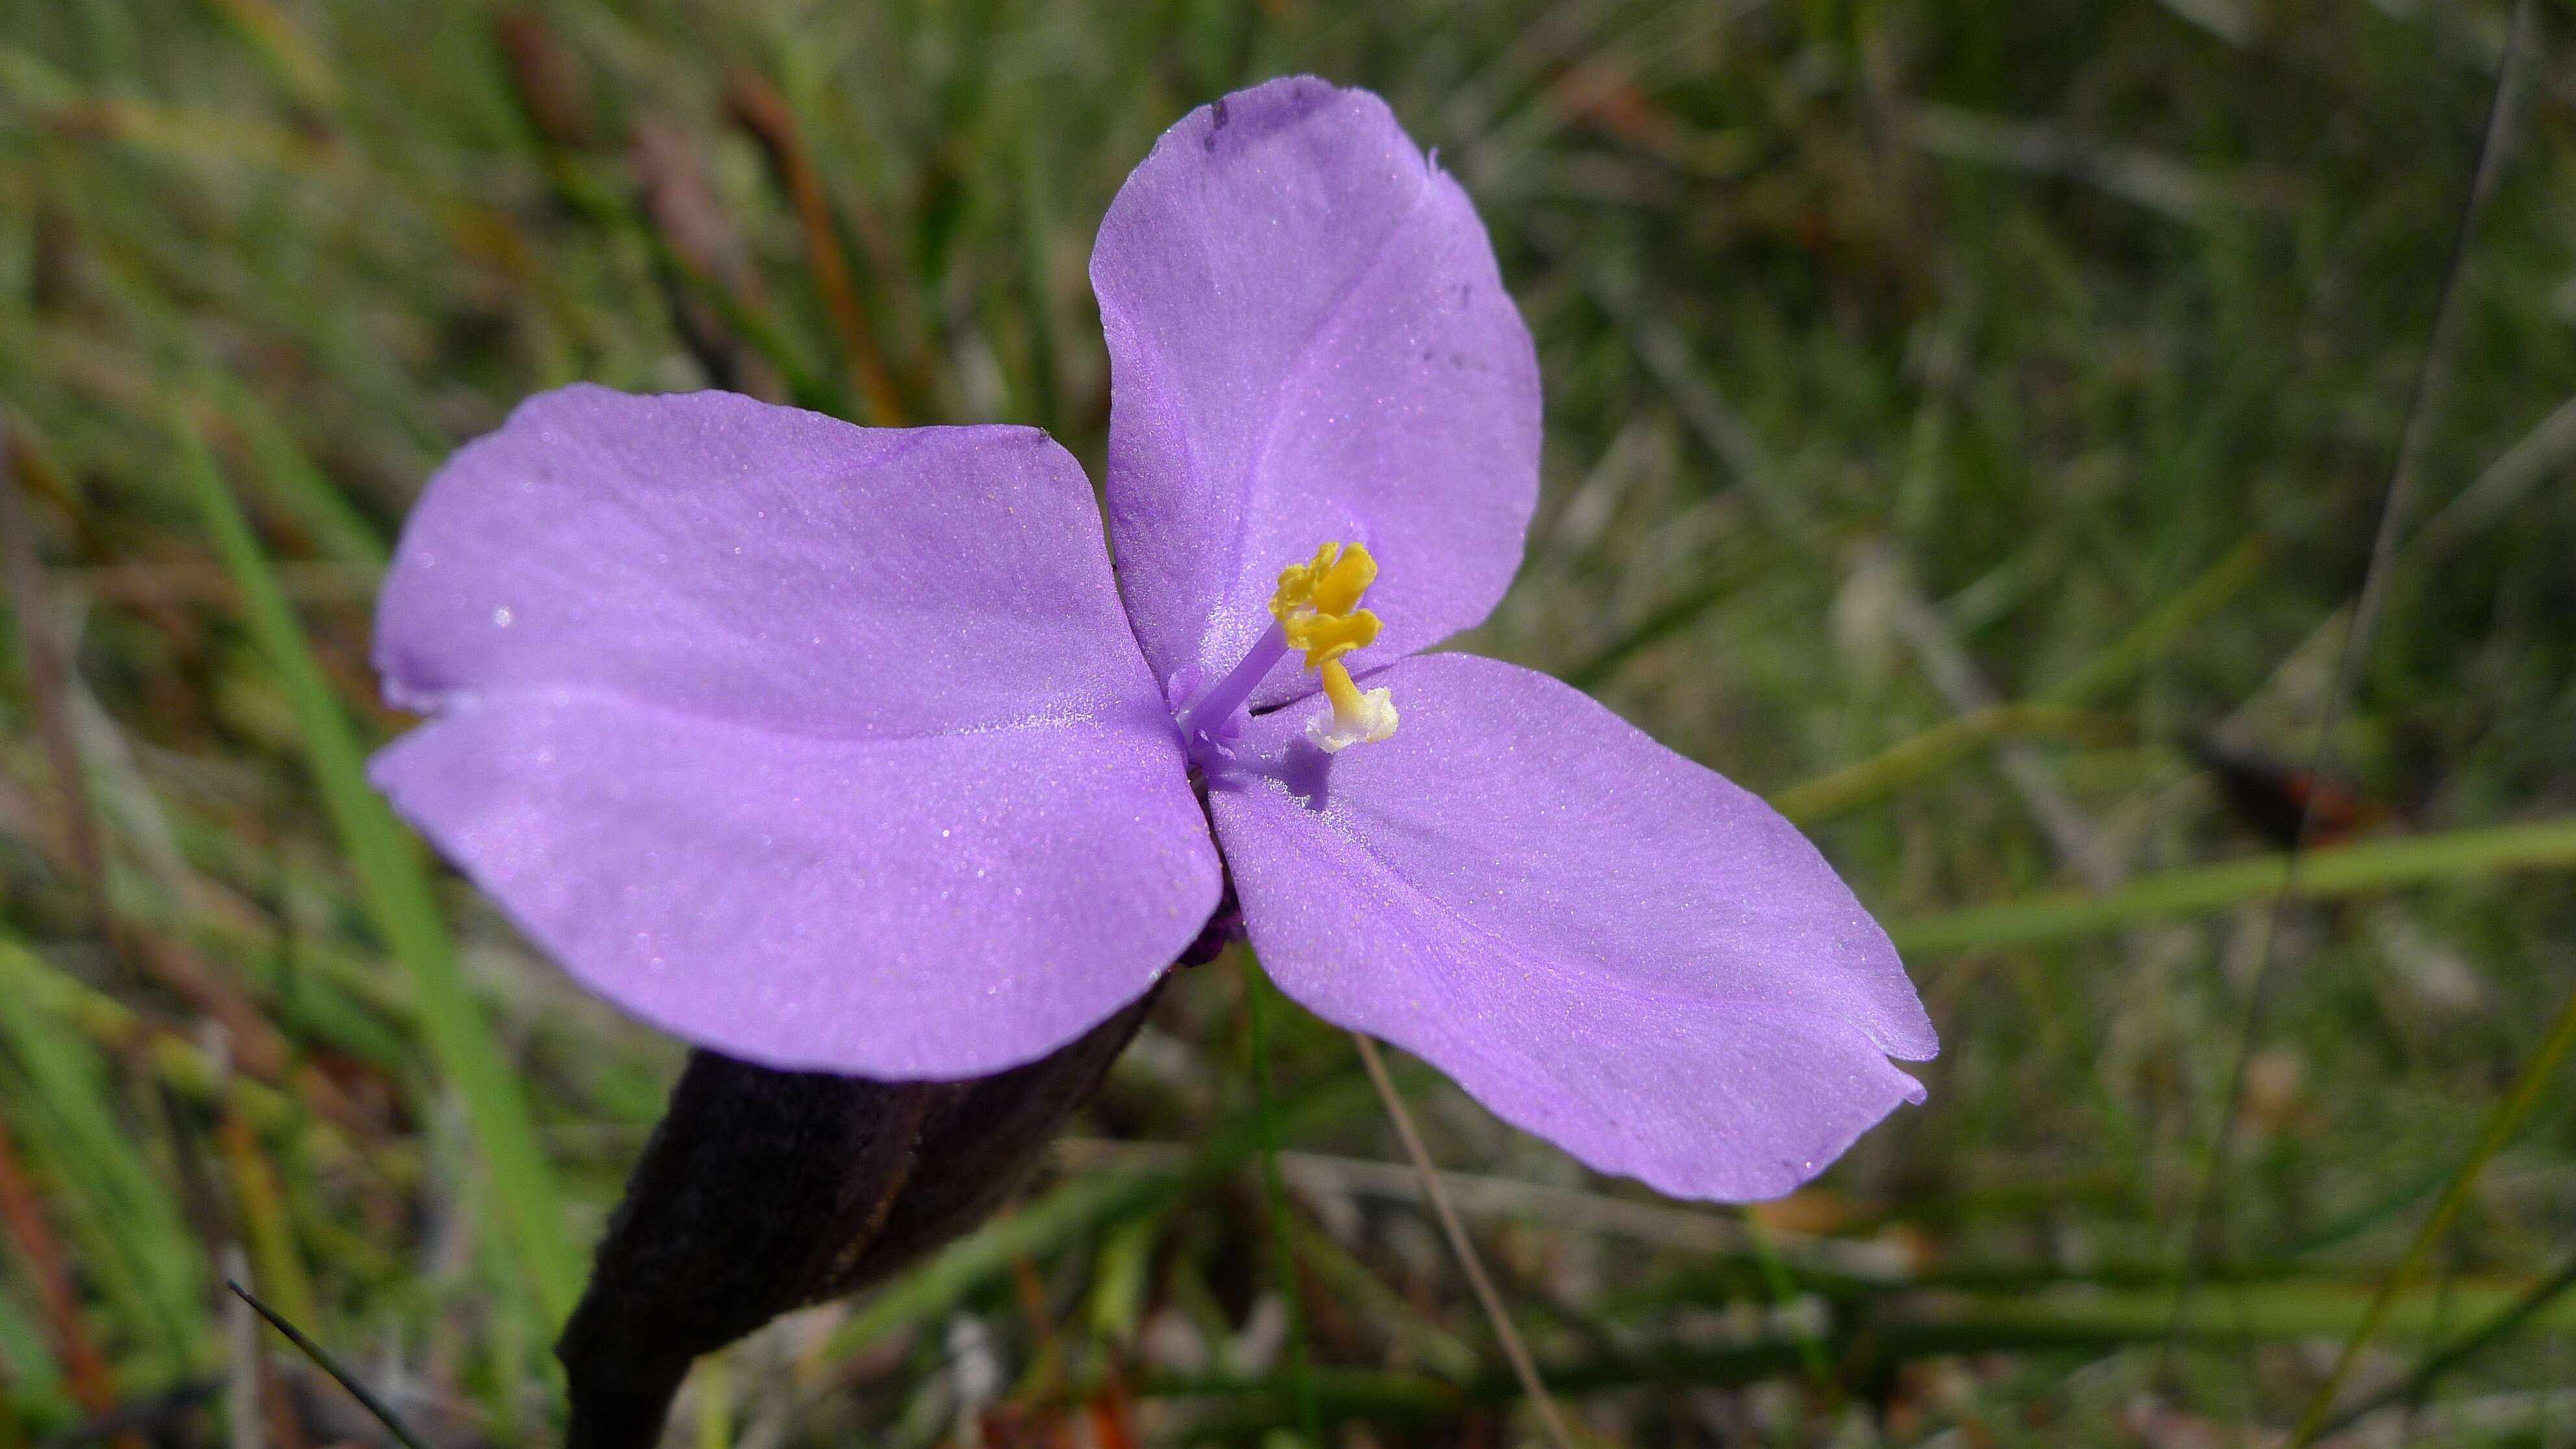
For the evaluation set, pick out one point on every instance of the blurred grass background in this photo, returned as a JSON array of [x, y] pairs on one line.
[[1966, 421]]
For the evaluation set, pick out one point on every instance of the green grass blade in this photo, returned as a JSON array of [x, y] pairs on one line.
[[296, 483], [1666, 620], [1908, 760], [2172, 622], [2542, 1296], [2086, 1322], [397, 889], [2501, 1121], [1256, 1008], [2198, 890], [128, 1227], [27, 1362], [73, 1008], [2050, 712], [1082, 1205]]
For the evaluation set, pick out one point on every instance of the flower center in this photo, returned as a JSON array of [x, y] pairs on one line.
[[1316, 610]]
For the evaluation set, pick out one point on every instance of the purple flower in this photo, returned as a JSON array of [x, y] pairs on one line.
[[837, 748]]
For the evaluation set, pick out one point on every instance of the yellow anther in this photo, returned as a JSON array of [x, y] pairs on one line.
[[1347, 576], [1326, 637], [1318, 609], [1317, 605]]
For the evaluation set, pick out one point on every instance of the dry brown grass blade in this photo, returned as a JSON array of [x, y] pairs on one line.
[[255, 1043], [762, 111], [23, 1214]]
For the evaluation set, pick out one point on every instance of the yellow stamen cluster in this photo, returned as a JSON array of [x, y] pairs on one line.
[[1317, 607], [1318, 603]]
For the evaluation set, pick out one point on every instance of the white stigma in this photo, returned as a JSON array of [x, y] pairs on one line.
[[1334, 731]]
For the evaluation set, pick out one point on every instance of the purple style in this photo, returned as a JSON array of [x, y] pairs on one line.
[[839, 748]]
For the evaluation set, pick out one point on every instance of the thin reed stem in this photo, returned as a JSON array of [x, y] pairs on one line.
[[357, 1389], [2396, 506], [395, 884], [1516, 1352]]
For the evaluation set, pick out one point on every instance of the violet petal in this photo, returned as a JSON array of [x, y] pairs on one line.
[[822, 746], [1606, 944], [1309, 343]]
